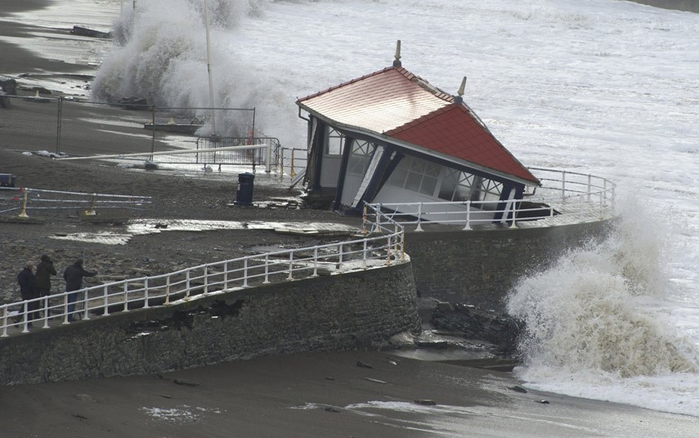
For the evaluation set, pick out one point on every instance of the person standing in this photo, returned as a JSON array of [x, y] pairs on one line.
[[73, 275], [44, 271], [28, 290]]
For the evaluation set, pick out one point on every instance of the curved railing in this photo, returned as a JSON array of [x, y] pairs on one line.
[[570, 195], [563, 198], [382, 247]]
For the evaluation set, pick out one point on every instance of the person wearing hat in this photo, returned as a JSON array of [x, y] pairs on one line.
[[73, 275], [28, 290], [44, 271]]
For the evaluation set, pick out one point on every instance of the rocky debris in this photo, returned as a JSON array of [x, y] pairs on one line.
[[472, 322], [425, 402], [86, 31], [185, 382], [371, 379]]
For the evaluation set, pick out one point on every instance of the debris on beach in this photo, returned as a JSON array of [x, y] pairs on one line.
[[517, 389], [86, 31], [425, 402], [185, 382], [371, 379]]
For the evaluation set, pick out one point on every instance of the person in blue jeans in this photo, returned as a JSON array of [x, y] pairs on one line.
[[73, 276]]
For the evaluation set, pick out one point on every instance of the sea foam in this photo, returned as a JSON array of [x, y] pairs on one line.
[[595, 318]]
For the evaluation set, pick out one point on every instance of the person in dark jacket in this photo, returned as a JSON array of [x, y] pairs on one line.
[[73, 275], [28, 290], [44, 271]]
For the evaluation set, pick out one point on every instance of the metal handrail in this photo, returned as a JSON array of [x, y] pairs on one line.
[[24, 198], [563, 196], [382, 244], [372, 250]]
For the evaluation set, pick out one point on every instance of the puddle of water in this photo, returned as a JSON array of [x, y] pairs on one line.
[[136, 227]]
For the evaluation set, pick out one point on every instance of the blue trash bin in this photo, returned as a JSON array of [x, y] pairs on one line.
[[246, 183]]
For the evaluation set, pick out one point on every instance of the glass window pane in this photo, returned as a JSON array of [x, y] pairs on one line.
[[446, 190], [413, 182], [428, 185]]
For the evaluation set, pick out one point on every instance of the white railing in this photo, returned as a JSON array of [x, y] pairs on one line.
[[22, 199], [564, 197], [381, 248], [562, 194]]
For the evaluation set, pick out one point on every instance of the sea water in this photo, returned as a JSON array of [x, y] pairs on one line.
[[594, 86]]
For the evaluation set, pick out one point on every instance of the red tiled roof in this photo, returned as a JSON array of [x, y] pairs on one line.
[[453, 131], [396, 103]]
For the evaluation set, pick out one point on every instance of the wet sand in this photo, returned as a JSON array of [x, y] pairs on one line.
[[319, 395], [324, 394]]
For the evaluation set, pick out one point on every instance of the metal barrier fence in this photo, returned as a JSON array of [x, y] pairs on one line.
[[381, 248], [267, 157], [564, 197], [22, 199], [62, 125]]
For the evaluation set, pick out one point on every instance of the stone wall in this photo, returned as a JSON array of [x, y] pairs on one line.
[[480, 267], [339, 312]]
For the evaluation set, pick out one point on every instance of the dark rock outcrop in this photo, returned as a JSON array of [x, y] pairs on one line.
[[472, 322]]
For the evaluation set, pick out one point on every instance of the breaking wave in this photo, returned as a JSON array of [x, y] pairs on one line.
[[162, 57], [596, 310]]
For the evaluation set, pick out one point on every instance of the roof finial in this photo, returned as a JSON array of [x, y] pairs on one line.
[[396, 61], [459, 99]]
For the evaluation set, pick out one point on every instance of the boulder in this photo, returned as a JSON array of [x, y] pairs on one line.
[[472, 322]]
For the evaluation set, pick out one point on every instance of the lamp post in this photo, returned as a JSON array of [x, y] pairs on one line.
[[208, 66]]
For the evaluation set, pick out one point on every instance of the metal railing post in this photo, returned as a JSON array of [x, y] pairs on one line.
[[245, 272], [266, 280], [106, 300], [206, 279], [187, 285], [364, 219], [167, 291], [468, 216], [86, 306], [364, 254], [65, 307], [59, 121], [291, 266], [146, 293], [402, 247], [419, 216], [395, 239], [388, 251], [126, 296], [23, 213], [225, 275], [315, 262], [25, 306], [45, 302], [4, 323]]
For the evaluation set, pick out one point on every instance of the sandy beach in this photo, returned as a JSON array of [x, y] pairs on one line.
[[328, 394]]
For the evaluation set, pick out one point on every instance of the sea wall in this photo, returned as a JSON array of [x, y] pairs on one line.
[[480, 267], [339, 312]]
